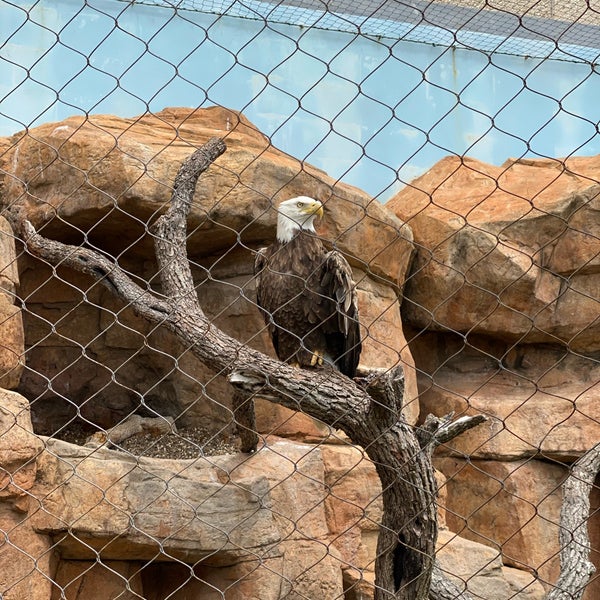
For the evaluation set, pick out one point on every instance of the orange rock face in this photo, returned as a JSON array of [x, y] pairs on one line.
[[103, 181], [108, 178], [12, 343], [509, 251], [502, 311], [502, 319]]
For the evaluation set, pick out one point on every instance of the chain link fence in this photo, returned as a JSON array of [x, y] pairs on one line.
[[454, 145]]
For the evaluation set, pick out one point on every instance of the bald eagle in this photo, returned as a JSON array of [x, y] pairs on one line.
[[306, 294]]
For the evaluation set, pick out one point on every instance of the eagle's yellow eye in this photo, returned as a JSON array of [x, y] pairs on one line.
[[299, 204]]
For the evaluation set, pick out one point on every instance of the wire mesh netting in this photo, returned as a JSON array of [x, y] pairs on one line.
[[454, 148]]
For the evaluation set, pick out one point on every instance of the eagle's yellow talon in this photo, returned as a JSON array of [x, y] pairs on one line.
[[316, 359]]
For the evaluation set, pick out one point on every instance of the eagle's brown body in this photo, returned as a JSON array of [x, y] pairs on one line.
[[309, 302]]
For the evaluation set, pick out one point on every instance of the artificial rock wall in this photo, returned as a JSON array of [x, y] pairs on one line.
[[498, 314], [501, 313]]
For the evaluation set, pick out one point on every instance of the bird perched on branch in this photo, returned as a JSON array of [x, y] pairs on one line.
[[306, 294]]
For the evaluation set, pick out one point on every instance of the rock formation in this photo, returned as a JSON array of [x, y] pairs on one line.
[[501, 311], [300, 517], [102, 182], [11, 319]]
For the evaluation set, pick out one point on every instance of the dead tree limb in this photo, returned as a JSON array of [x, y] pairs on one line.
[[408, 532], [439, 430], [433, 432], [575, 565], [244, 416]]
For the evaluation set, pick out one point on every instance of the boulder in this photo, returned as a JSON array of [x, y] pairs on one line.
[[539, 400], [25, 554], [501, 313], [26, 558], [9, 274], [108, 177], [293, 571], [480, 570], [12, 343], [254, 525], [292, 520], [501, 305], [513, 507], [104, 180], [19, 447], [218, 510], [80, 579], [354, 506], [511, 252]]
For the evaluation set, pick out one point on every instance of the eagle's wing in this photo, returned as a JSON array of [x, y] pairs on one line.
[[337, 284], [266, 301], [260, 262]]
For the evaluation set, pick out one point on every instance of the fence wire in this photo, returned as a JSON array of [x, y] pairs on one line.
[[455, 147]]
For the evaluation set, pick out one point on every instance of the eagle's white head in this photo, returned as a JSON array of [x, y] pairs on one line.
[[295, 214]]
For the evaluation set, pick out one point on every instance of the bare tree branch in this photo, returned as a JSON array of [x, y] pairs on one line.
[[171, 228], [575, 565], [439, 430], [92, 263]]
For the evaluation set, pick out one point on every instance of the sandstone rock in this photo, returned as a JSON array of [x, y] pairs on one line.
[[252, 525], [19, 447], [25, 555], [479, 569], [384, 342], [513, 507], [274, 419], [12, 347], [542, 400], [9, 274], [25, 558], [254, 578], [294, 520], [12, 343], [219, 508], [501, 313], [258, 579], [95, 171], [80, 580], [105, 180], [290, 521], [510, 251], [358, 585], [354, 505], [303, 569], [313, 570]]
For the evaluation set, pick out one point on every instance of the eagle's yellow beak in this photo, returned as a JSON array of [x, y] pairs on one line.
[[316, 208]]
